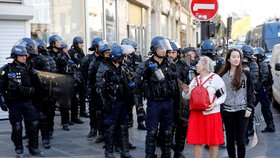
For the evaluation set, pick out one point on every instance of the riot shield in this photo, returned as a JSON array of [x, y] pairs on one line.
[[184, 111], [59, 87]]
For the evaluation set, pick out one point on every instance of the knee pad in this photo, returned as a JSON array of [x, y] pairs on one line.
[[42, 116], [17, 126], [34, 123], [152, 135]]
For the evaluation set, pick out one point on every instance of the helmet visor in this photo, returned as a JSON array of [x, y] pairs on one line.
[[127, 49], [103, 46], [29, 44], [164, 44]]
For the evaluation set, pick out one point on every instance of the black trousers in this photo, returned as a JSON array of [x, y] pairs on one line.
[[236, 125]]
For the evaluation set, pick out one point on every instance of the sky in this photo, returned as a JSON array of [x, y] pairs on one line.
[[258, 10]]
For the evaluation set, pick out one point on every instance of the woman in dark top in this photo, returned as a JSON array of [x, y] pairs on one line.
[[238, 104]]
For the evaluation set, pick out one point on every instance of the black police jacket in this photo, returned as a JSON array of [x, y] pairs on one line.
[[18, 81], [76, 55], [149, 88], [38, 62], [183, 71], [111, 83]]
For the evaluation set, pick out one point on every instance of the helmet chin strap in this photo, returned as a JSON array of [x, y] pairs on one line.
[[175, 59], [158, 55]]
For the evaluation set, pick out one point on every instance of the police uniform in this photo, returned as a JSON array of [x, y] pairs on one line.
[[77, 55], [18, 83], [131, 64], [60, 59], [250, 65], [95, 102], [48, 101], [39, 62], [262, 93], [181, 111], [159, 96], [112, 85]]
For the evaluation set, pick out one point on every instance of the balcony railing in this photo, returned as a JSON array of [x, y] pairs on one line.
[[11, 1]]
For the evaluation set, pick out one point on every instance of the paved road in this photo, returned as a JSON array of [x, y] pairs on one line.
[[74, 143]]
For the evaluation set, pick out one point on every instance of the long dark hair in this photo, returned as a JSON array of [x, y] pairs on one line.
[[236, 84]]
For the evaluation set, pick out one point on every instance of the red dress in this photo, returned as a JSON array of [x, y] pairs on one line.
[[205, 129]]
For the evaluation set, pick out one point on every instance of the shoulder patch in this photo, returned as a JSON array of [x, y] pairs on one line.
[[2, 72]]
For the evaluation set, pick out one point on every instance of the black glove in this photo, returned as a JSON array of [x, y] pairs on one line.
[[3, 104], [26, 90], [141, 113]]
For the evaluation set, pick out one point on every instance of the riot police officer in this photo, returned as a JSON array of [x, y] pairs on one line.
[[18, 83], [42, 49], [113, 87], [156, 79], [131, 62], [38, 62], [190, 56], [208, 49], [48, 101], [266, 81], [250, 65], [61, 59], [77, 54], [87, 60], [181, 111], [96, 105]]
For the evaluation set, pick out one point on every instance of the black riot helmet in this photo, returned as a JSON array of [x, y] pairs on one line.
[[64, 44], [208, 48], [18, 50], [175, 46], [248, 51], [128, 41], [94, 44], [76, 40], [116, 54], [259, 53], [53, 39], [189, 49], [160, 42], [29, 44], [41, 46]]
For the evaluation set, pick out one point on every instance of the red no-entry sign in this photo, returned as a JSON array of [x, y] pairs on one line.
[[204, 10]]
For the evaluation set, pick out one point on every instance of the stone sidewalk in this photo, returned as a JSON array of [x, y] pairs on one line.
[[74, 143]]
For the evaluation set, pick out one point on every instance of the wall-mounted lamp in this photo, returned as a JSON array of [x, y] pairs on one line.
[[183, 27]]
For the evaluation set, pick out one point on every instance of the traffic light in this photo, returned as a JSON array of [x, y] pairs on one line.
[[212, 30], [229, 26]]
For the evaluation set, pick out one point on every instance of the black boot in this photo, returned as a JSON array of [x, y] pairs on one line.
[[151, 144], [44, 128], [17, 139], [46, 143], [166, 144], [178, 155], [100, 137], [109, 142], [19, 153], [180, 140], [33, 131], [124, 142], [141, 126], [92, 133], [131, 146]]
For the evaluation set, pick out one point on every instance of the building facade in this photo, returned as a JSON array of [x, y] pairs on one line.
[[112, 20]]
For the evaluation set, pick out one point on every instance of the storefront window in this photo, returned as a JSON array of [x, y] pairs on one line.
[[110, 24], [63, 17], [96, 19], [164, 25]]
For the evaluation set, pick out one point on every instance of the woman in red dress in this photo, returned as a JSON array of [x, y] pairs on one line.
[[205, 127]]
